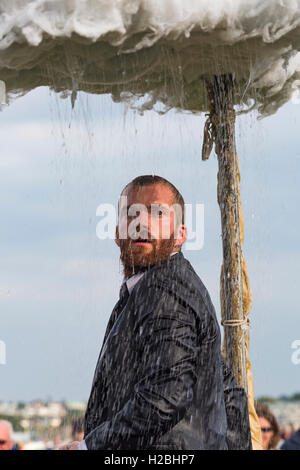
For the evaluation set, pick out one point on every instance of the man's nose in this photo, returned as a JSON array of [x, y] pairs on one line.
[[144, 220]]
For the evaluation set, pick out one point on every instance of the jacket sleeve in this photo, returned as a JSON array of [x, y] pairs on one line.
[[238, 433], [167, 347]]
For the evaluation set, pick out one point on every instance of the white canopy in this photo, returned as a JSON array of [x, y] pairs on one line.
[[161, 49]]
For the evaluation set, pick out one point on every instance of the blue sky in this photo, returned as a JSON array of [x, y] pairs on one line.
[[59, 282]]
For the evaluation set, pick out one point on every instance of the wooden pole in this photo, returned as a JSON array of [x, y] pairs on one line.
[[221, 127]]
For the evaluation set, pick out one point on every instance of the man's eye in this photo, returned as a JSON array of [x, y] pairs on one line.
[[155, 212], [132, 213], [158, 212]]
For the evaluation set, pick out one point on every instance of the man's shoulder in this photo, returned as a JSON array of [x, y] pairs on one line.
[[177, 277], [171, 273]]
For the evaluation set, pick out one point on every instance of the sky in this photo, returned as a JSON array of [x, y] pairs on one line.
[[59, 281]]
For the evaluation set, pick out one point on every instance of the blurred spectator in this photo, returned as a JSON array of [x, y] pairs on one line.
[[286, 431], [57, 441], [269, 427], [6, 430], [77, 429], [48, 444], [293, 443]]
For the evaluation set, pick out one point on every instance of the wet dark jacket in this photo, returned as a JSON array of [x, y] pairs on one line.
[[293, 443], [238, 434], [158, 382]]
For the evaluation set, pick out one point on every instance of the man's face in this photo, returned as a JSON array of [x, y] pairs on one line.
[[145, 233], [5, 440]]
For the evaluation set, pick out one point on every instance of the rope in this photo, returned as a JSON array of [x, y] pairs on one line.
[[244, 324], [209, 137]]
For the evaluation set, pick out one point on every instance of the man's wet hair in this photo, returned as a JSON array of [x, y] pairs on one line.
[[148, 180]]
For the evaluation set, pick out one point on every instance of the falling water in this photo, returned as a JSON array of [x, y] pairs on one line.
[[148, 56]]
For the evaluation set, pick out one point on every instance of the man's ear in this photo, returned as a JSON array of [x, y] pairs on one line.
[[117, 236], [181, 235]]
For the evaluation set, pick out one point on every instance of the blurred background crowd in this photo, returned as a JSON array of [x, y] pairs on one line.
[[47, 425]]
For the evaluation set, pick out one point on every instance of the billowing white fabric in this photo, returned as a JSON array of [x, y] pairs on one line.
[[160, 49]]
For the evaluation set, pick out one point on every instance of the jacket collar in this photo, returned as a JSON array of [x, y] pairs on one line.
[[133, 280]]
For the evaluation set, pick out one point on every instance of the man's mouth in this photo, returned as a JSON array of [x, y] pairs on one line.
[[142, 241]]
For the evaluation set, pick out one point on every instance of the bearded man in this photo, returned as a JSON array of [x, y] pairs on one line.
[[158, 383]]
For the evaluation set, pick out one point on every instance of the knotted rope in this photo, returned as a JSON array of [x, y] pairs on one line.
[[244, 324], [213, 122]]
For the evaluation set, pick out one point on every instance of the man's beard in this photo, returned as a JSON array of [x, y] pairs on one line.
[[138, 261]]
